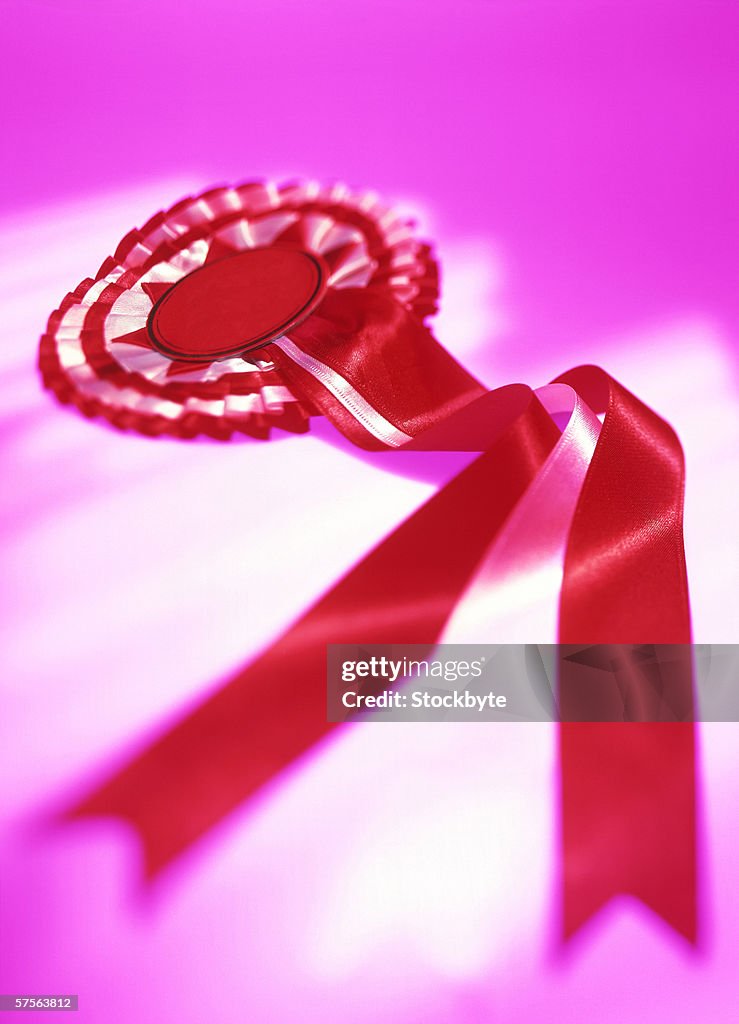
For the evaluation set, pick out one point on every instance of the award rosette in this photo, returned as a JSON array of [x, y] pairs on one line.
[[254, 308], [196, 324]]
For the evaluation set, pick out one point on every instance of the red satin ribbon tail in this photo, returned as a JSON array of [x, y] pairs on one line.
[[272, 711], [627, 788], [627, 803]]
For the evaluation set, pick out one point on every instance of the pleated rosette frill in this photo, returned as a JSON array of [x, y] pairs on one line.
[[99, 352]]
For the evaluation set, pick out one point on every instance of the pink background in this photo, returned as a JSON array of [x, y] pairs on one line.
[[576, 163]]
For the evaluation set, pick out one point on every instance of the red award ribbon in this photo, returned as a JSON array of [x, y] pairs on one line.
[[250, 308]]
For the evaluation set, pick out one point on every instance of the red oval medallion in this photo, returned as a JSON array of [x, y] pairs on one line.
[[237, 303]]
